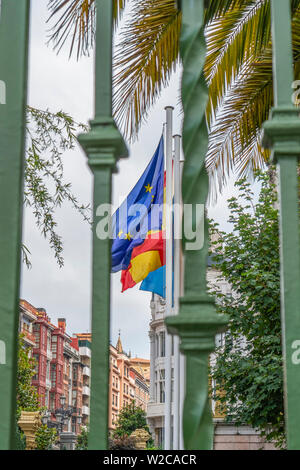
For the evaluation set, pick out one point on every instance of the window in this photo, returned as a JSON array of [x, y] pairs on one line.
[[162, 386], [54, 347], [53, 375], [52, 401], [36, 332], [162, 341], [156, 345], [74, 397]]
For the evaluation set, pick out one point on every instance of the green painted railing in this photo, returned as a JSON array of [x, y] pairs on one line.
[[197, 322], [282, 134], [14, 16], [103, 146]]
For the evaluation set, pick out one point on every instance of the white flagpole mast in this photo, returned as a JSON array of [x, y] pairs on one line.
[[181, 356], [177, 253], [169, 274]]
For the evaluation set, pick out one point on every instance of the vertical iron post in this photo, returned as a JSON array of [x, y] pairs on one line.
[[14, 21], [197, 323], [282, 134], [103, 146]]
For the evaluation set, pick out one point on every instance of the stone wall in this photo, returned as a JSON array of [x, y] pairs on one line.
[[229, 437]]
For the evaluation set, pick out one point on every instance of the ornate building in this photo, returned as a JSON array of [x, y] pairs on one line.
[[128, 379], [57, 359], [128, 382]]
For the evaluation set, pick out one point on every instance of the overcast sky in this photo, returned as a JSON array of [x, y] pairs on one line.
[[58, 83]]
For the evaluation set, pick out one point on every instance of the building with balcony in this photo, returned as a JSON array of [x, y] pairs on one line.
[[83, 343], [57, 362], [26, 322], [128, 379]]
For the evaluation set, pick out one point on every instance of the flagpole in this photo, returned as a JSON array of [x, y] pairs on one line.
[[182, 362], [169, 274], [177, 249]]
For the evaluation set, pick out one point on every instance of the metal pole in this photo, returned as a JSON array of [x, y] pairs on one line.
[[182, 359], [197, 323], [169, 272], [14, 26], [177, 254], [103, 146], [282, 134]]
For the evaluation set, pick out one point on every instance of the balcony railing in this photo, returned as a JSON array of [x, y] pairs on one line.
[[86, 371], [29, 336]]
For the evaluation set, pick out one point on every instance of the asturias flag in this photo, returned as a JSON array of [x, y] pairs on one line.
[[138, 245]]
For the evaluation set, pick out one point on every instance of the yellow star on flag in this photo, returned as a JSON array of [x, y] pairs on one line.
[[120, 233], [128, 236], [148, 188]]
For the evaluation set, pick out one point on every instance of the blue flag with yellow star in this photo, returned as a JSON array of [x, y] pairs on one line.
[[140, 214]]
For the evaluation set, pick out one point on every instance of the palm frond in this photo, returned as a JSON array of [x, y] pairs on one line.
[[76, 22], [237, 37], [234, 142], [144, 60], [218, 8], [242, 109]]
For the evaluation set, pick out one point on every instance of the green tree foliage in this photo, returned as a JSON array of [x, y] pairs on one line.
[[249, 367], [45, 438], [130, 419], [49, 135], [27, 397], [82, 439]]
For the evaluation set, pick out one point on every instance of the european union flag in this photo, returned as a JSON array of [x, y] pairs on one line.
[[140, 213]]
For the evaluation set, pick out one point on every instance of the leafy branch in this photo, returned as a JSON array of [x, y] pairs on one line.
[[49, 135]]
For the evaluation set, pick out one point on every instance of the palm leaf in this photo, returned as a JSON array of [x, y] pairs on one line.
[[237, 37], [245, 105], [76, 22], [145, 59]]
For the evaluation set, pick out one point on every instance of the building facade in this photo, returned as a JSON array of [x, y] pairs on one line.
[[128, 379], [63, 368], [57, 361], [128, 382], [83, 342]]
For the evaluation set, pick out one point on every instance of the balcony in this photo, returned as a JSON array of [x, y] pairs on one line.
[[28, 337], [86, 371], [86, 391], [86, 410], [85, 352]]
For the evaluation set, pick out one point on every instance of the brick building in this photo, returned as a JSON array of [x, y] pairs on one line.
[[57, 362], [63, 367]]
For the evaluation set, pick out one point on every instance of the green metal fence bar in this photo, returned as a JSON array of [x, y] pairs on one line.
[[103, 146], [282, 133], [197, 322], [14, 18]]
